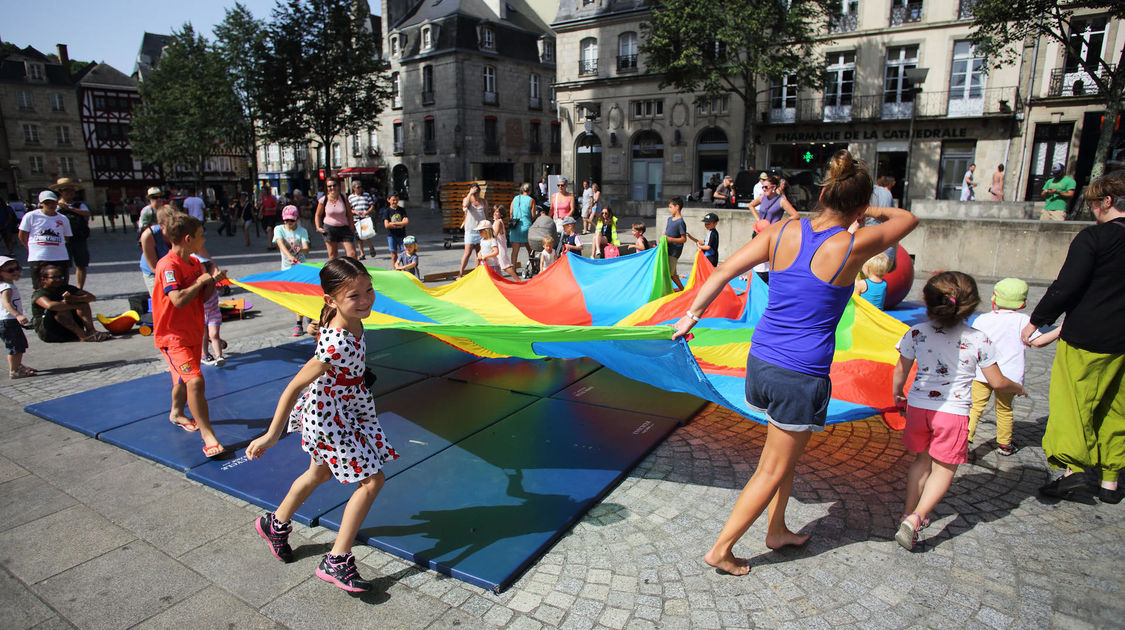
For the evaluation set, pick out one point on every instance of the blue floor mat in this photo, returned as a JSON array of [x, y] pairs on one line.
[[98, 410], [607, 388], [484, 509], [428, 355], [440, 413], [538, 378], [236, 419]]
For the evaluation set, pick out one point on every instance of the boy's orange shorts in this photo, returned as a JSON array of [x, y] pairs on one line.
[[183, 361]]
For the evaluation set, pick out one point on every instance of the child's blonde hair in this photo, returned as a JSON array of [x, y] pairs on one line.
[[487, 233], [950, 297], [877, 265], [548, 241]]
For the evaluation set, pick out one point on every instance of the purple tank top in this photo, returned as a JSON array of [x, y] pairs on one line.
[[770, 209], [797, 331]]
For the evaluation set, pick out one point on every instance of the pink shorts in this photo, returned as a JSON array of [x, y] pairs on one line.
[[945, 436]]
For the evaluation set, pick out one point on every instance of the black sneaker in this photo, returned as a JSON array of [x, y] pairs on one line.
[[277, 538], [1065, 487], [342, 573]]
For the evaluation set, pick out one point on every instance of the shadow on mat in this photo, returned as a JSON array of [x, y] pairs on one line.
[[473, 529]]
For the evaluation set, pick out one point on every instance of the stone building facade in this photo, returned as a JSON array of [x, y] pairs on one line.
[[905, 91], [41, 126]]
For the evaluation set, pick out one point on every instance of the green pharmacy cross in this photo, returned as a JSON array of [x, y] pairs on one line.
[[808, 156]]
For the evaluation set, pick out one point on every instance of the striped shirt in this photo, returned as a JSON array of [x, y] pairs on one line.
[[361, 205]]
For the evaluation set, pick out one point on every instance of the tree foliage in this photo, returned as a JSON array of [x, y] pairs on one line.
[[1000, 27], [718, 48], [319, 73], [188, 108], [240, 40]]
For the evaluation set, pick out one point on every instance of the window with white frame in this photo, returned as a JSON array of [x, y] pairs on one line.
[[275, 153], [66, 165], [396, 91], [840, 78], [533, 90], [896, 87], [547, 51], [35, 163], [627, 51], [966, 81], [427, 85], [650, 108], [396, 45], [34, 71], [427, 37], [489, 77], [397, 137], [30, 133], [714, 106], [357, 150], [486, 38], [336, 153], [23, 100], [1087, 38], [62, 134], [372, 141], [588, 61], [783, 99], [56, 101]]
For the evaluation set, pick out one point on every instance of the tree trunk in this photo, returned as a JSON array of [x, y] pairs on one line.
[[1109, 122], [749, 114]]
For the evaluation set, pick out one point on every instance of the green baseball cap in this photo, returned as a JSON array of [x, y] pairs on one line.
[[1010, 293]]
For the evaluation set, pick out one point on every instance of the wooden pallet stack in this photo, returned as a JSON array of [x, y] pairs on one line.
[[453, 193]]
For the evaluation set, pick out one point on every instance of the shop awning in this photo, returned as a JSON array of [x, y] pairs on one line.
[[360, 170]]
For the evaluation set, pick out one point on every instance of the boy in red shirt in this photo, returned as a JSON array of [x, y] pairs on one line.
[[177, 314]]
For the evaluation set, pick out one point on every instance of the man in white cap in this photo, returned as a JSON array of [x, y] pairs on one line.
[[157, 199], [44, 232], [79, 216]]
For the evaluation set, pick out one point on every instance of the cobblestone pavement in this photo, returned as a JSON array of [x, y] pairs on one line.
[[94, 537]]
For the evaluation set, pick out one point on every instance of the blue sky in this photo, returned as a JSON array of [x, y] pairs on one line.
[[110, 30]]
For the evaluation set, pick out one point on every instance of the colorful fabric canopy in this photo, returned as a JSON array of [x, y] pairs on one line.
[[618, 312]]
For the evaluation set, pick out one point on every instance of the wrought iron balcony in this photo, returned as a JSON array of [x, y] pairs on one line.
[[843, 23], [986, 103], [1077, 83], [905, 14], [588, 67], [626, 63], [491, 98], [534, 102], [965, 10]]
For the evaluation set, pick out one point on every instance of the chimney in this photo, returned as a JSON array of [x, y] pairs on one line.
[[64, 58]]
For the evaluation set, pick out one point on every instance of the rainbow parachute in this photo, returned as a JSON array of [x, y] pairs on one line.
[[618, 312]]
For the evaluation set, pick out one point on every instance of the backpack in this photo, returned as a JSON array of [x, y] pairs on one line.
[[610, 251]]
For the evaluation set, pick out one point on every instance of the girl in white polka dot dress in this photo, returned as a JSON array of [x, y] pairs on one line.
[[329, 403]]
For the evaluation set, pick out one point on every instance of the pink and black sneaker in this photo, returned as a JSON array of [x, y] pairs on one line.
[[341, 571], [277, 536]]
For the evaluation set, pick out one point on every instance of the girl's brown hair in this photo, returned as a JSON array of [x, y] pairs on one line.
[[502, 210], [847, 184], [950, 297], [334, 274]]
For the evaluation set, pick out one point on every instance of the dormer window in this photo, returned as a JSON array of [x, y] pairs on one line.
[[34, 71], [429, 33], [546, 50], [398, 45], [486, 37]]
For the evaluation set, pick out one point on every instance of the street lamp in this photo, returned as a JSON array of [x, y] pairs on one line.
[[916, 76]]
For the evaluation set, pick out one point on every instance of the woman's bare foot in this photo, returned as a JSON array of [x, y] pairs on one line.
[[727, 564], [786, 539]]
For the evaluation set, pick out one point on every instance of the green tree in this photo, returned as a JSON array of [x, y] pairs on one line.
[[188, 108], [320, 73], [241, 40], [733, 47], [1001, 26]]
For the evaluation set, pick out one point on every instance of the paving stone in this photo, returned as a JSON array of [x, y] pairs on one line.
[[120, 588], [315, 604], [19, 607], [209, 608], [25, 499], [184, 520], [73, 535]]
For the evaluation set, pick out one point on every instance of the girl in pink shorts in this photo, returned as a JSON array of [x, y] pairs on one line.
[[947, 352]]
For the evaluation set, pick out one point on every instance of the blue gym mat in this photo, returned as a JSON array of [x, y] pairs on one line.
[[538, 378], [428, 355], [485, 508], [607, 388], [95, 411], [438, 417], [236, 419]]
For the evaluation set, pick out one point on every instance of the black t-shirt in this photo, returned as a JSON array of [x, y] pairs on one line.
[[712, 242], [398, 214], [79, 225]]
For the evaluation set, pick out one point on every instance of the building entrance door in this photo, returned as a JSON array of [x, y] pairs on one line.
[[431, 178], [892, 163], [955, 160]]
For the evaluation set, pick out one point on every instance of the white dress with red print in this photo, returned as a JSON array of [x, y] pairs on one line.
[[336, 414]]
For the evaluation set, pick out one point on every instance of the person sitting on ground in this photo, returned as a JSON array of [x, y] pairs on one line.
[[605, 232], [61, 312], [872, 287], [640, 243]]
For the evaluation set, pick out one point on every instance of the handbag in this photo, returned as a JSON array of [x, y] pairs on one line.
[[365, 228]]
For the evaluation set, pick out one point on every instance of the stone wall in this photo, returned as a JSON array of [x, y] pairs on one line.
[[982, 247]]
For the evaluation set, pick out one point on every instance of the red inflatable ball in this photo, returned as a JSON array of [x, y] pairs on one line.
[[900, 280]]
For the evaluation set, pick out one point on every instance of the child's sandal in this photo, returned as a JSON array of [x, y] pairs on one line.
[[22, 372], [907, 534]]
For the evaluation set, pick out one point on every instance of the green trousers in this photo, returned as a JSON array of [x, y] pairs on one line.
[[1086, 425]]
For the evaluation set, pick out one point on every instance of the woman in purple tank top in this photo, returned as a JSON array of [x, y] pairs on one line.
[[813, 266], [772, 205]]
